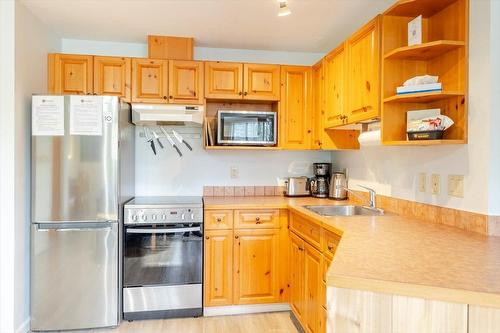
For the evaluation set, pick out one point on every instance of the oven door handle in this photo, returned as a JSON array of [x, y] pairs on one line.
[[161, 231]]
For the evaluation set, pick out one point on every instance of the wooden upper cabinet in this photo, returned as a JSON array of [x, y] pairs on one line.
[[363, 51], [218, 267], [70, 74], [261, 82], [112, 76], [297, 302], [186, 82], [149, 81], [335, 80], [296, 107], [318, 104], [256, 276], [223, 80]]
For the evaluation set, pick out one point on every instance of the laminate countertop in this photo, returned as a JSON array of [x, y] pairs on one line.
[[397, 255]]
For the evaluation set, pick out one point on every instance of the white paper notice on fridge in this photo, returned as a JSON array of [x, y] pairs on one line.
[[47, 115], [85, 115]]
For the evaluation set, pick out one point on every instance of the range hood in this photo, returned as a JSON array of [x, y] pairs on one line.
[[167, 114]]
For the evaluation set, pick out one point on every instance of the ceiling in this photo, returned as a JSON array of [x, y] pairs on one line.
[[313, 26]]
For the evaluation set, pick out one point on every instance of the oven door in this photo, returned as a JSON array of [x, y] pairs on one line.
[[163, 255], [246, 128]]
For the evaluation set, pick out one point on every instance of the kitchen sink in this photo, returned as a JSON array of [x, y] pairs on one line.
[[345, 210]]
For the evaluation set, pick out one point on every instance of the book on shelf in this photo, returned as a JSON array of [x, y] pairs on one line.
[[419, 88]]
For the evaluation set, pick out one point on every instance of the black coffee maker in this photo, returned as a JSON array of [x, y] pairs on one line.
[[321, 179]]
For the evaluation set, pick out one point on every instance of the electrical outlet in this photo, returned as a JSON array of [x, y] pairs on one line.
[[235, 173], [456, 186], [422, 180], [435, 184]]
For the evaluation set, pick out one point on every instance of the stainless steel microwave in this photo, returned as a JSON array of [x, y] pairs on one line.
[[251, 128]]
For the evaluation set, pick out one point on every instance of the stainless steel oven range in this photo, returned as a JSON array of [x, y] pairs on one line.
[[163, 258]]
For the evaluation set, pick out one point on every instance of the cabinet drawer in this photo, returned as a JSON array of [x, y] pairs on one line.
[[218, 219], [330, 243], [308, 230], [256, 218]]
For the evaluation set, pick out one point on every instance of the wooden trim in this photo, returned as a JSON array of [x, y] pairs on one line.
[[230, 310]]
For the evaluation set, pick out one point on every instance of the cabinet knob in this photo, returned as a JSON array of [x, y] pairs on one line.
[[207, 237], [240, 93], [164, 97], [245, 93], [330, 247], [219, 219], [170, 97], [236, 236]]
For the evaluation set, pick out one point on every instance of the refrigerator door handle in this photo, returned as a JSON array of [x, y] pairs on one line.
[[72, 226], [161, 231]]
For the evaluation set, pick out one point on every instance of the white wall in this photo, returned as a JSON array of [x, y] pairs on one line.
[[167, 174], [394, 170], [78, 46], [33, 41], [7, 165]]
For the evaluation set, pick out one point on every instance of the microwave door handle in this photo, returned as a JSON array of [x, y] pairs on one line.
[[162, 231]]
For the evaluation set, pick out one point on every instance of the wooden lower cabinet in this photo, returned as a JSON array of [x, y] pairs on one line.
[[313, 268], [256, 278], [297, 301], [306, 284], [218, 272]]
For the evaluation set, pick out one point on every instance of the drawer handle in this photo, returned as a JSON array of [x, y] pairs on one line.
[[219, 219], [301, 248], [330, 247], [257, 220]]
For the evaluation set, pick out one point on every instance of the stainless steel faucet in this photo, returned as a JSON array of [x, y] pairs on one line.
[[372, 193]]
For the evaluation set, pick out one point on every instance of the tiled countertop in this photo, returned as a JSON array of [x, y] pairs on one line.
[[397, 255]]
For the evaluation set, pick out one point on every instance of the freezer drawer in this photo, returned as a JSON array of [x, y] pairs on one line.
[[74, 276]]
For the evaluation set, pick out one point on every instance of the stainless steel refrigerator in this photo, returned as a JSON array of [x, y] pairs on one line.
[[80, 183]]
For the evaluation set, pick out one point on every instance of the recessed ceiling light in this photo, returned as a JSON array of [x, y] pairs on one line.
[[284, 10]]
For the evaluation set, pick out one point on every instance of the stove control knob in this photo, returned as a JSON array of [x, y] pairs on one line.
[[144, 217], [192, 216], [153, 217], [183, 216], [164, 217], [134, 217]]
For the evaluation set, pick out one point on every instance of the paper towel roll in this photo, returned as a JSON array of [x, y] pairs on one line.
[[371, 138]]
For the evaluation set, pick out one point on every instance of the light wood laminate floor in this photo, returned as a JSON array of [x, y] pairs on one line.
[[277, 322]]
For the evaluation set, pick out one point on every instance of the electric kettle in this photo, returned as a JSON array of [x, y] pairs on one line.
[[338, 186]]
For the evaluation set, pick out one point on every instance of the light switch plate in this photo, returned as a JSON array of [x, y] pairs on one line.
[[422, 180], [456, 186], [235, 172], [435, 184]]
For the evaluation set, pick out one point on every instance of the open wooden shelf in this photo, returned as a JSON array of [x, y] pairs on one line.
[[240, 148], [412, 8], [424, 51], [424, 142], [424, 97]]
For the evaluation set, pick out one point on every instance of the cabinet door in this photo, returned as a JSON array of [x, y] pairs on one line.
[[297, 295], [363, 51], [223, 80], [295, 107], [335, 64], [70, 74], [256, 254], [185, 82], [317, 105], [149, 81], [313, 287], [112, 76], [218, 283], [261, 82]]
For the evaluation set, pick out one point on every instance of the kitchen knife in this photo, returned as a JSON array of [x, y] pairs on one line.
[[158, 139], [150, 140], [181, 139], [169, 138]]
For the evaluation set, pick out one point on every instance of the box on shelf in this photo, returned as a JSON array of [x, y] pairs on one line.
[[419, 88]]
